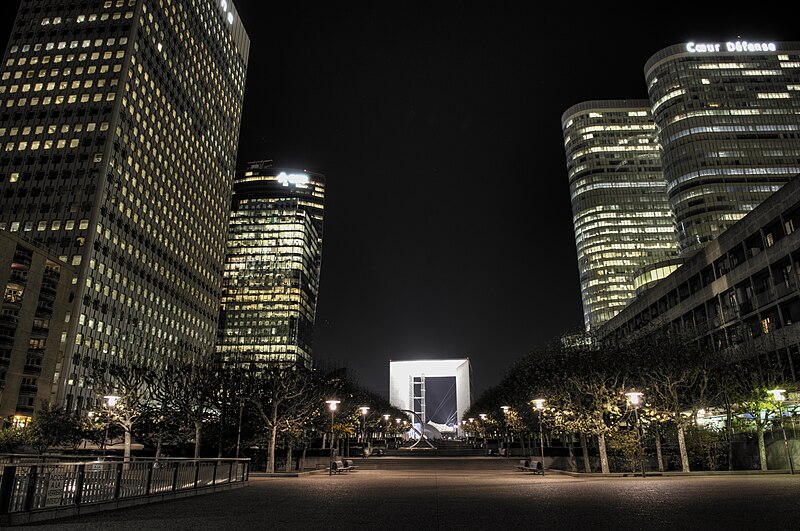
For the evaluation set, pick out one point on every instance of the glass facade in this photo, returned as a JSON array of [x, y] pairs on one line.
[[119, 124], [272, 268], [620, 212], [728, 116]]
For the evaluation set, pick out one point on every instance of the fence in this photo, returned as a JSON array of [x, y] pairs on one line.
[[38, 488]]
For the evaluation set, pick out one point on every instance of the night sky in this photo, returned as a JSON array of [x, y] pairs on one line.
[[448, 227]]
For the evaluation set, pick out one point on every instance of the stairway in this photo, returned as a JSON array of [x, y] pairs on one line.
[[444, 448]]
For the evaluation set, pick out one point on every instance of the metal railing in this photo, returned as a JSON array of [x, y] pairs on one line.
[[28, 487]]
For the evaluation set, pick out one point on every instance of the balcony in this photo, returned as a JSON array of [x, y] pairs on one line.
[[40, 331], [785, 288], [20, 277], [44, 309], [28, 389], [6, 337], [745, 306], [51, 275], [12, 303], [765, 297], [8, 322], [47, 293], [22, 260], [32, 369]]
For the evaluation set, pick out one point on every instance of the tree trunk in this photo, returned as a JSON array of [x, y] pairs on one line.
[[198, 434], [587, 465], [601, 445], [127, 454], [762, 449], [573, 466], [659, 454], [158, 446], [289, 464], [729, 431], [273, 438], [682, 448]]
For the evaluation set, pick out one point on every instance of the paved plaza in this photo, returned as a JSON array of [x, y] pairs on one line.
[[468, 493]]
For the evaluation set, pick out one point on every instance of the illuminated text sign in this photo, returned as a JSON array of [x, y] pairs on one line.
[[738, 46]]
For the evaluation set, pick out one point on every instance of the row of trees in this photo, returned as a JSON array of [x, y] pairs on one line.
[[584, 384], [218, 410]]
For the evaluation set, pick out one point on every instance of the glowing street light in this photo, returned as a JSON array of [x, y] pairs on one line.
[[505, 428], [110, 402], [332, 406], [364, 410], [539, 404], [634, 397], [778, 395]]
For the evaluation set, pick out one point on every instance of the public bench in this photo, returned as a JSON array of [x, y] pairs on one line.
[[342, 466], [525, 466]]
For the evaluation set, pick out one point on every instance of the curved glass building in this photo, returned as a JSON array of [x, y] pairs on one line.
[[620, 212], [728, 116], [272, 267]]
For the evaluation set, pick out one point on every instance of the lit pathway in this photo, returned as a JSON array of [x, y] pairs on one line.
[[481, 493]]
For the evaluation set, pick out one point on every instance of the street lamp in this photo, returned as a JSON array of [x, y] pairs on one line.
[[110, 401], [332, 406], [778, 396], [539, 407], [364, 410], [505, 427], [634, 397]]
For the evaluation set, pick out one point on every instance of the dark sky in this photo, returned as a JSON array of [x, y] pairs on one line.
[[448, 229]]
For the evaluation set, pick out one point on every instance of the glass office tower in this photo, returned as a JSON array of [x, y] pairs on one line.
[[272, 268], [728, 116], [119, 124], [621, 217]]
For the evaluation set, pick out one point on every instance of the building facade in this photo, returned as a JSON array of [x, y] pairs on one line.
[[272, 268], [37, 298], [620, 211], [119, 124], [728, 116], [743, 288]]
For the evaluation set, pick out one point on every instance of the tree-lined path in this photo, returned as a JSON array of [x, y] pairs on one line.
[[468, 493]]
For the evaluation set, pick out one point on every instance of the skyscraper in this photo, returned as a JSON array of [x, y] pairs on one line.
[[728, 116], [272, 267], [623, 224], [119, 123]]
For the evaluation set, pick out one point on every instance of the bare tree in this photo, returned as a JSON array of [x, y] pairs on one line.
[[130, 385], [286, 399]]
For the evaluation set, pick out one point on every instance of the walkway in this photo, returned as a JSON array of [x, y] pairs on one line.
[[469, 493]]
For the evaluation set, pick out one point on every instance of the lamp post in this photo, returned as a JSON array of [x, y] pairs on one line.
[[505, 427], [539, 407], [779, 397], [483, 427], [332, 406], [634, 397], [364, 410], [110, 402]]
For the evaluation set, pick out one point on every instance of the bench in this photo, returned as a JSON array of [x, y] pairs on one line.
[[525, 466], [342, 466]]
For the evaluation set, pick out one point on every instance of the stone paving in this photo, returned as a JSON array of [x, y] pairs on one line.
[[476, 493]]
